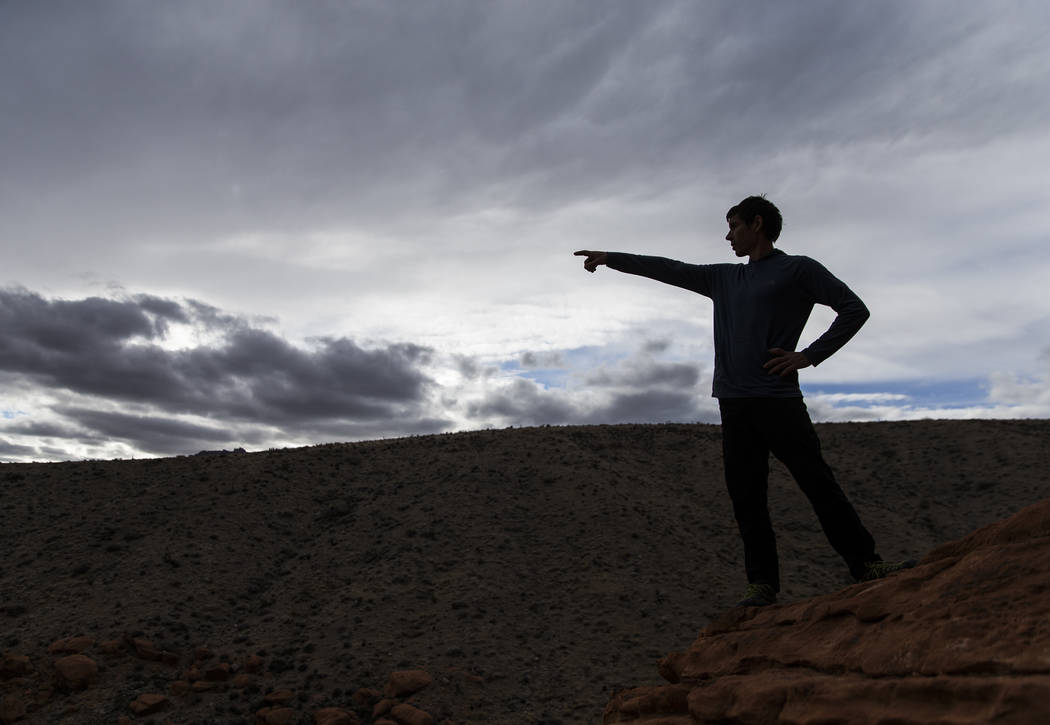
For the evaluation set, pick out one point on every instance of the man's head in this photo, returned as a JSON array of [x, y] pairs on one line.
[[761, 208]]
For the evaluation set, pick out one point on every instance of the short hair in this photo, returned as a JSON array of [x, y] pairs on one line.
[[754, 206]]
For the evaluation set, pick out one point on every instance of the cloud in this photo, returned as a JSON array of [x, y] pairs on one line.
[[632, 388], [86, 356], [383, 172]]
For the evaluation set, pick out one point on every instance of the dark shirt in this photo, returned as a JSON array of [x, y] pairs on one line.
[[758, 306]]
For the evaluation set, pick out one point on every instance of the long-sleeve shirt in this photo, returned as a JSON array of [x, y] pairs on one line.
[[757, 306]]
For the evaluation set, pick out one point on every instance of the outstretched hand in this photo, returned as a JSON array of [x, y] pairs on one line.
[[593, 259], [786, 362]]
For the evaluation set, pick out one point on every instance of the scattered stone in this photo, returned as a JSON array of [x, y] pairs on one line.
[[208, 686], [12, 708], [408, 715], [179, 688], [335, 716], [403, 683], [149, 703], [253, 664], [278, 697], [275, 716], [218, 673], [365, 697], [243, 680], [76, 671], [202, 654], [71, 645], [383, 707], [146, 650], [14, 666], [111, 646]]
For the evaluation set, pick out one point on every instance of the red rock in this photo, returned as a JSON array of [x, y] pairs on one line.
[[76, 671], [278, 697], [218, 673], [335, 716], [243, 680], [408, 715], [179, 688], [275, 716], [383, 707], [253, 664], [960, 638], [406, 682], [71, 645], [124, 720], [365, 697], [111, 646], [203, 653], [12, 709], [14, 666], [208, 686], [149, 703], [144, 649]]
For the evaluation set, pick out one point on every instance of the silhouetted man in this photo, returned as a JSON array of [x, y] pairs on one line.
[[760, 309]]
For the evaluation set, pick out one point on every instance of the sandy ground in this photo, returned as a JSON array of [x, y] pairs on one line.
[[531, 571]]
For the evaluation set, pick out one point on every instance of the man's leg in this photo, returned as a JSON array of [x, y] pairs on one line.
[[794, 441], [746, 460]]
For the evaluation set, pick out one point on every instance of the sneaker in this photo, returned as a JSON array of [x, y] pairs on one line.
[[878, 569], [758, 595]]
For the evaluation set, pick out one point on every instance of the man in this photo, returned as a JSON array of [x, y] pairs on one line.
[[760, 309]]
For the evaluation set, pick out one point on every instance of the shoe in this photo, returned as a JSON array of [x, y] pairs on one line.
[[758, 595], [878, 569]]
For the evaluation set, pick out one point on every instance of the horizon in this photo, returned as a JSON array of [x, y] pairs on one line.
[[267, 226]]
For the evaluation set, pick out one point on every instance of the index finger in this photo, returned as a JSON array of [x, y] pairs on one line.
[[582, 253]]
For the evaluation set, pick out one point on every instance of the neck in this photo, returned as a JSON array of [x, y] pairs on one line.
[[761, 250]]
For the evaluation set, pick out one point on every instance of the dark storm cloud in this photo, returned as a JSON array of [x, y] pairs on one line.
[[652, 406], [523, 402], [648, 372], [108, 350], [275, 115], [14, 450], [639, 389], [154, 434]]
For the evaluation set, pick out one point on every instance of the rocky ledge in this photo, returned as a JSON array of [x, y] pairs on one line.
[[962, 638]]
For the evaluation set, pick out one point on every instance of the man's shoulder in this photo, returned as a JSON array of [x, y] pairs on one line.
[[797, 261]]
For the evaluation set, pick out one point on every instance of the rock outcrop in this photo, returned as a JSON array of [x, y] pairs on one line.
[[962, 638]]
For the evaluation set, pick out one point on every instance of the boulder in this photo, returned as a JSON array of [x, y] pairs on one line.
[[276, 716], [71, 645], [149, 703], [959, 639], [403, 683], [408, 715], [76, 671], [12, 708], [335, 716]]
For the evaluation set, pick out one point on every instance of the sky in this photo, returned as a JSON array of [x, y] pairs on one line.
[[264, 224]]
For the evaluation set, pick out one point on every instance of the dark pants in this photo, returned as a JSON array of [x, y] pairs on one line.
[[751, 429]]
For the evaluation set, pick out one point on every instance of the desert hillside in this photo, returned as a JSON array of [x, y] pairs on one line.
[[531, 572]]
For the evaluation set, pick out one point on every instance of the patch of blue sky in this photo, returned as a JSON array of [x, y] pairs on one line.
[[547, 377], [962, 393], [10, 414], [570, 362]]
